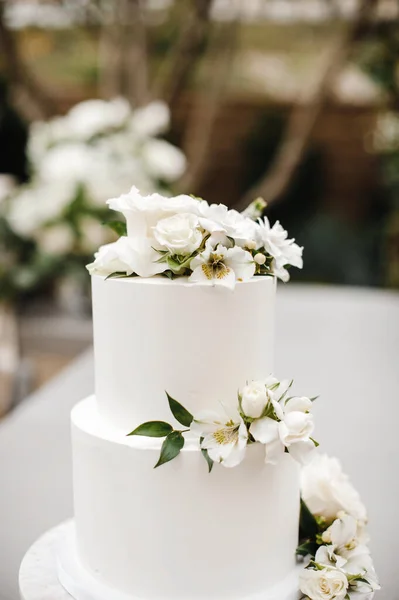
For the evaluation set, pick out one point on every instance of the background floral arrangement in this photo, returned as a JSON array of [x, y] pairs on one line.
[[77, 162], [333, 534], [185, 236]]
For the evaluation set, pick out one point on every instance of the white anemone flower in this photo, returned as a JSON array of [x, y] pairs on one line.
[[283, 250], [222, 266], [225, 437]]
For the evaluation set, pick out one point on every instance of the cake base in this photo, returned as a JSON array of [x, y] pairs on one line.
[[82, 585]]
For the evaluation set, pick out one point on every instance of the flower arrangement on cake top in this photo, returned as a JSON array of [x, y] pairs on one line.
[[186, 236]]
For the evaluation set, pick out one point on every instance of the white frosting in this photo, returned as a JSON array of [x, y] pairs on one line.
[[177, 531], [199, 343]]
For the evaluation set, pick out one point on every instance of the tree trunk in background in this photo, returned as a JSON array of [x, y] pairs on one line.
[[135, 55], [201, 121], [290, 153], [185, 53], [123, 61]]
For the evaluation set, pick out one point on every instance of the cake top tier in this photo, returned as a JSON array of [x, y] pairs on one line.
[[184, 236]]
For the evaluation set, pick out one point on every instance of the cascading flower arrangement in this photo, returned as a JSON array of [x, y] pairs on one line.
[[186, 236], [78, 161], [333, 536]]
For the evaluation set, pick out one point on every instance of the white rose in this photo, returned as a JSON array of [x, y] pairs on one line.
[[298, 424], [179, 234], [325, 584], [327, 490], [254, 399], [142, 213], [128, 256]]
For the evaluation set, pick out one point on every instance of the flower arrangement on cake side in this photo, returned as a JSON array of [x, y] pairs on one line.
[[333, 536], [186, 236], [265, 414]]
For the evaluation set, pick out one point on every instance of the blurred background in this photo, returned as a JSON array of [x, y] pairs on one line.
[[294, 101]]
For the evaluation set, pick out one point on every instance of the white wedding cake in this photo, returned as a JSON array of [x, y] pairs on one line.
[[194, 528]]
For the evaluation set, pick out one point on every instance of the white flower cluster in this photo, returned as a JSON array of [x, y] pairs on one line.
[[184, 235], [78, 161], [342, 567], [266, 415], [386, 133]]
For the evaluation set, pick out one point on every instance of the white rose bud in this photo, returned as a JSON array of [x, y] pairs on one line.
[[250, 244], [260, 258], [179, 234], [254, 399], [296, 427], [326, 584]]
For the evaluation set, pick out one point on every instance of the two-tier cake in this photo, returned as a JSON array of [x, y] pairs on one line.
[[183, 316]]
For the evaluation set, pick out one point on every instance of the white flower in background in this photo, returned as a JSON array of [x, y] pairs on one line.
[[93, 117], [326, 490], [150, 120], [162, 160], [128, 256], [292, 431], [254, 398], [71, 161], [180, 234], [324, 584], [56, 239], [222, 266], [386, 134], [225, 436], [284, 251], [34, 206], [7, 185], [93, 234]]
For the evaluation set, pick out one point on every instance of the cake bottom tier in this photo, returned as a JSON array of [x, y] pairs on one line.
[[178, 532]]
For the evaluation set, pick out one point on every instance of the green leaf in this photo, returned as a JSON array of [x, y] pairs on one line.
[[313, 398], [361, 579], [153, 429], [208, 459], [169, 274], [171, 447], [231, 240], [308, 527], [307, 548], [117, 275], [179, 412], [315, 442], [118, 226]]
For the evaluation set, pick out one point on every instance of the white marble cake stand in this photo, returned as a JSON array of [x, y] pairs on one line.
[[50, 568]]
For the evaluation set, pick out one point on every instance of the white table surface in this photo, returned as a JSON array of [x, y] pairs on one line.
[[341, 343]]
